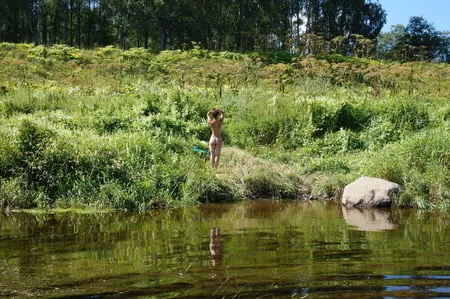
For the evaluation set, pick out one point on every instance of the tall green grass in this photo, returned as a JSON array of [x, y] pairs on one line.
[[114, 129]]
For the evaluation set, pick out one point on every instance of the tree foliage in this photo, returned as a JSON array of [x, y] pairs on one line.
[[335, 18], [235, 25], [419, 40]]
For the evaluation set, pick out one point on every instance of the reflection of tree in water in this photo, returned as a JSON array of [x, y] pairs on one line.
[[216, 250]]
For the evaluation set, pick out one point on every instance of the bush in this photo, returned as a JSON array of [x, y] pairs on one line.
[[254, 131], [379, 133], [113, 195], [9, 156], [343, 141], [153, 104], [33, 140], [420, 163], [13, 190], [263, 183], [272, 57], [331, 118], [352, 117], [322, 118], [112, 123], [29, 102], [329, 187], [407, 115], [202, 185], [388, 165], [330, 165], [427, 147]]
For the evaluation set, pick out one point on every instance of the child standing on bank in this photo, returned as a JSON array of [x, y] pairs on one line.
[[215, 120]]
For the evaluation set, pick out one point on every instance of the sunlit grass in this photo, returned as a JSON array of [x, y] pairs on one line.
[[107, 129]]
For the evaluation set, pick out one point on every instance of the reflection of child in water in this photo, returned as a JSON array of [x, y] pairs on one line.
[[215, 247]]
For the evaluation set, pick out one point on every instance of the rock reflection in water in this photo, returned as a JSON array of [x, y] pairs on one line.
[[369, 219]]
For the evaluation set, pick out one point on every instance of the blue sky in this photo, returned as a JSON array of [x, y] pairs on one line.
[[436, 12]]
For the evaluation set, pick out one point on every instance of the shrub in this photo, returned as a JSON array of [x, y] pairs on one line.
[[331, 118], [352, 117], [294, 135], [379, 133], [14, 50], [264, 183], [342, 141], [322, 118], [60, 168], [386, 165], [153, 104], [202, 185], [275, 57], [23, 105], [15, 193], [427, 147], [32, 139], [253, 131], [111, 123], [420, 163], [113, 195], [108, 53], [28, 102], [330, 164], [329, 187], [264, 131], [407, 115], [428, 160], [9, 156], [65, 52]]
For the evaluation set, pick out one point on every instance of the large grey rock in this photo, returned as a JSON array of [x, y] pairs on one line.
[[370, 192]]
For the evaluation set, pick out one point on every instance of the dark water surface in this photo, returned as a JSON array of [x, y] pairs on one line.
[[260, 249]]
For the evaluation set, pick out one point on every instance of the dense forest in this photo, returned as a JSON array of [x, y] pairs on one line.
[[349, 27]]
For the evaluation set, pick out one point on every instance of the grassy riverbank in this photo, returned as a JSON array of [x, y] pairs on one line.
[[107, 128]]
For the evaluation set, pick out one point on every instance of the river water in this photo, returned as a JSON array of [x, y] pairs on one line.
[[257, 249]]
